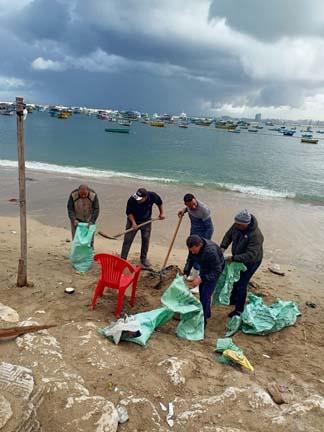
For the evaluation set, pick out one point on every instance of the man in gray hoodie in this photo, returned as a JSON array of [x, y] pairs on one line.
[[247, 247]]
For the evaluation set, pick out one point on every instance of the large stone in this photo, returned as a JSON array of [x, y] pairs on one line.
[[16, 380], [8, 314], [5, 411]]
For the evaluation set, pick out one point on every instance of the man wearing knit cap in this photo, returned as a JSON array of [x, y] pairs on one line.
[[247, 248]]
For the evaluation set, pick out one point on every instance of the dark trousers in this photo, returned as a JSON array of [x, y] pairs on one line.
[[206, 290], [238, 296], [129, 237]]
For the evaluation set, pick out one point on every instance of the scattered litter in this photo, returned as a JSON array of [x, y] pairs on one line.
[[69, 290], [279, 393], [110, 385], [239, 359], [40, 312], [258, 318], [266, 356], [231, 353], [169, 419], [164, 408], [275, 268], [13, 232], [311, 305], [14, 200], [122, 414]]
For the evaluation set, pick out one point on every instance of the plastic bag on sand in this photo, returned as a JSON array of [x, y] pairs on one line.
[[233, 325], [224, 287], [260, 319], [224, 344], [231, 353], [178, 298], [81, 255], [148, 322], [115, 330]]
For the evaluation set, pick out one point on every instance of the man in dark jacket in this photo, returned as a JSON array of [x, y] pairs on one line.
[[247, 248], [139, 210], [83, 206], [211, 261]]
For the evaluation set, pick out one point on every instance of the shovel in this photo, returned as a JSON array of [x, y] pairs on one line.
[[161, 273], [128, 230]]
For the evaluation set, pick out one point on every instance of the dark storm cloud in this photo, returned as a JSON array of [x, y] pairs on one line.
[[271, 19], [161, 56]]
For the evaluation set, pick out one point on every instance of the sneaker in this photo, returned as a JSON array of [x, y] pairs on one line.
[[145, 263]]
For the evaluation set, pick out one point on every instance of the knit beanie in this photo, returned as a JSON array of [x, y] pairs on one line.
[[243, 217]]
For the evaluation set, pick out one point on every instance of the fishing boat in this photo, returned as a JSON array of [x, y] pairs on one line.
[[63, 115], [183, 124], [202, 121], [118, 130], [309, 140], [124, 122], [157, 123], [288, 132], [252, 130], [237, 130], [307, 135]]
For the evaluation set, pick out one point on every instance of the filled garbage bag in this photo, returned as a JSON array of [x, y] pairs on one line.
[[259, 319], [148, 322], [81, 254], [224, 287], [178, 298]]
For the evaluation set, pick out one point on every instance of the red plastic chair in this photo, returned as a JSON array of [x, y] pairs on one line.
[[112, 276]]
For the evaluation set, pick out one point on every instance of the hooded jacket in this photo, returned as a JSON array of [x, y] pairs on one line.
[[247, 246], [210, 259]]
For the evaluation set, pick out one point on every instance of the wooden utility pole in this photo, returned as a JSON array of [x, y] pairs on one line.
[[22, 266]]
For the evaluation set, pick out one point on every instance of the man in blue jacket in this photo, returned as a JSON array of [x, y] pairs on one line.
[[211, 261]]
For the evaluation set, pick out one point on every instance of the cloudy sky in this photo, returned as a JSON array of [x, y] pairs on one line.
[[211, 57]]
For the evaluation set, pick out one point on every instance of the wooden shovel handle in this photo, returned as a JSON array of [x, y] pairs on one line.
[[172, 242], [128, 230]]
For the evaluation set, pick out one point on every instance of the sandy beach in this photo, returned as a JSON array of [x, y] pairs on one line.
[[76, 371]]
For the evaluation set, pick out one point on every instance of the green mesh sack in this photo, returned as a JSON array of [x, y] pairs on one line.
[[178, 298], [226, 280], [260, 319], [81, 254]]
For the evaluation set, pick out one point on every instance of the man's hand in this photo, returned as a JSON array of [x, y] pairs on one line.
[[195, 282], [181, 213], [229, 259], [75, 222], [134, 226], [161, 216]]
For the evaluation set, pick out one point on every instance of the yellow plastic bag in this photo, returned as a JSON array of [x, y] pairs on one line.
[[239, 359]]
